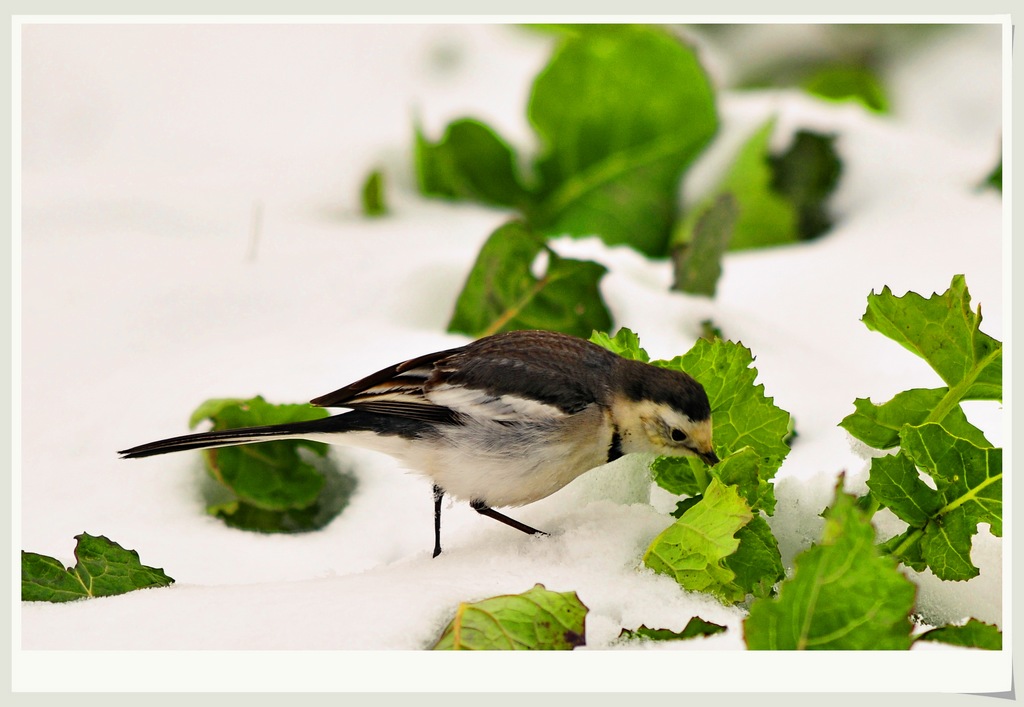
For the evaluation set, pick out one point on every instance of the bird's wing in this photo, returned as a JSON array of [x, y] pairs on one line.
[[395, 390], [522, 376], [518, 376]]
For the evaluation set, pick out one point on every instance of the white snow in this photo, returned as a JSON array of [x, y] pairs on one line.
[[146, 289]]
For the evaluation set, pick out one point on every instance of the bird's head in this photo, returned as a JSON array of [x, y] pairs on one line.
[[661, 411]]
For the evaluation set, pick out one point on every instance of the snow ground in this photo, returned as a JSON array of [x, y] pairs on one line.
[[146, 150]]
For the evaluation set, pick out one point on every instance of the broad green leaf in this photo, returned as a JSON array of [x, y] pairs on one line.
[[848, 82], [694, 627], [697, 256], [625, 343], [373, 194], [620, 115], [741, 416], [330, 502], [945, 332], [502, 293], [806, 174], [693, 550], [537, 619], [843, 594], [969, 491], [879, 425], [470, 162], [103, 568], [757, 562], [268, 475], [973, 634]]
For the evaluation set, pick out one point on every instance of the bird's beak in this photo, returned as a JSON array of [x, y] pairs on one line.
[[709, 457]]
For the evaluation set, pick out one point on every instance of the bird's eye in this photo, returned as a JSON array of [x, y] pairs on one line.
[[678, 435]]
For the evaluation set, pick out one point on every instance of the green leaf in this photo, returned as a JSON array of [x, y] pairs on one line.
[[973, 634], [694, 627], [765, 218], [806, 174], [781, 199], [103, 568], [470, 162], [742, 469], [894, 483], [537, 619], [969, 491], [685, 505], [846, 83], [269, 475], [620, 115], [879, 425], [757, 563], [843, 594], [694, 548], [625, 343], [373, 194], [945, 332], [742, 416], [502, 293], [697, 256], [330, 502]]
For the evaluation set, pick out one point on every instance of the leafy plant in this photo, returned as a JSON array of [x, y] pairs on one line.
[[843, 595], [693, 550], [737, 554], [102, 568], [619, 112], [273, 488], [537, 619], [941, 522], [933, 433], [846, 594], [619, 115]]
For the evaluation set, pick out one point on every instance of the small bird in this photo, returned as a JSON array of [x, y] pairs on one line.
[[503, 421]]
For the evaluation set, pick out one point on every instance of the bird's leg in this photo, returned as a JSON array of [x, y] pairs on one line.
[[485, 510], [438, 495]]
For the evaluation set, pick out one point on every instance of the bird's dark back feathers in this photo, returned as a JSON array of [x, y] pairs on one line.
[[564, 371]]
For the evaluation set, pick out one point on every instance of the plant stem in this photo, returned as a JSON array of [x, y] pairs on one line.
[[907, 543]]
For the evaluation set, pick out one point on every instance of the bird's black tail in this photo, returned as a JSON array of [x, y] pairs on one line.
[[244, 435]]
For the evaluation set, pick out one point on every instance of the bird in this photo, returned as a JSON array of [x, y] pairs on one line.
[[503, 421]]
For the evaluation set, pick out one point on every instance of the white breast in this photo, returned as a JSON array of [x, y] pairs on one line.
[[501, 464]]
